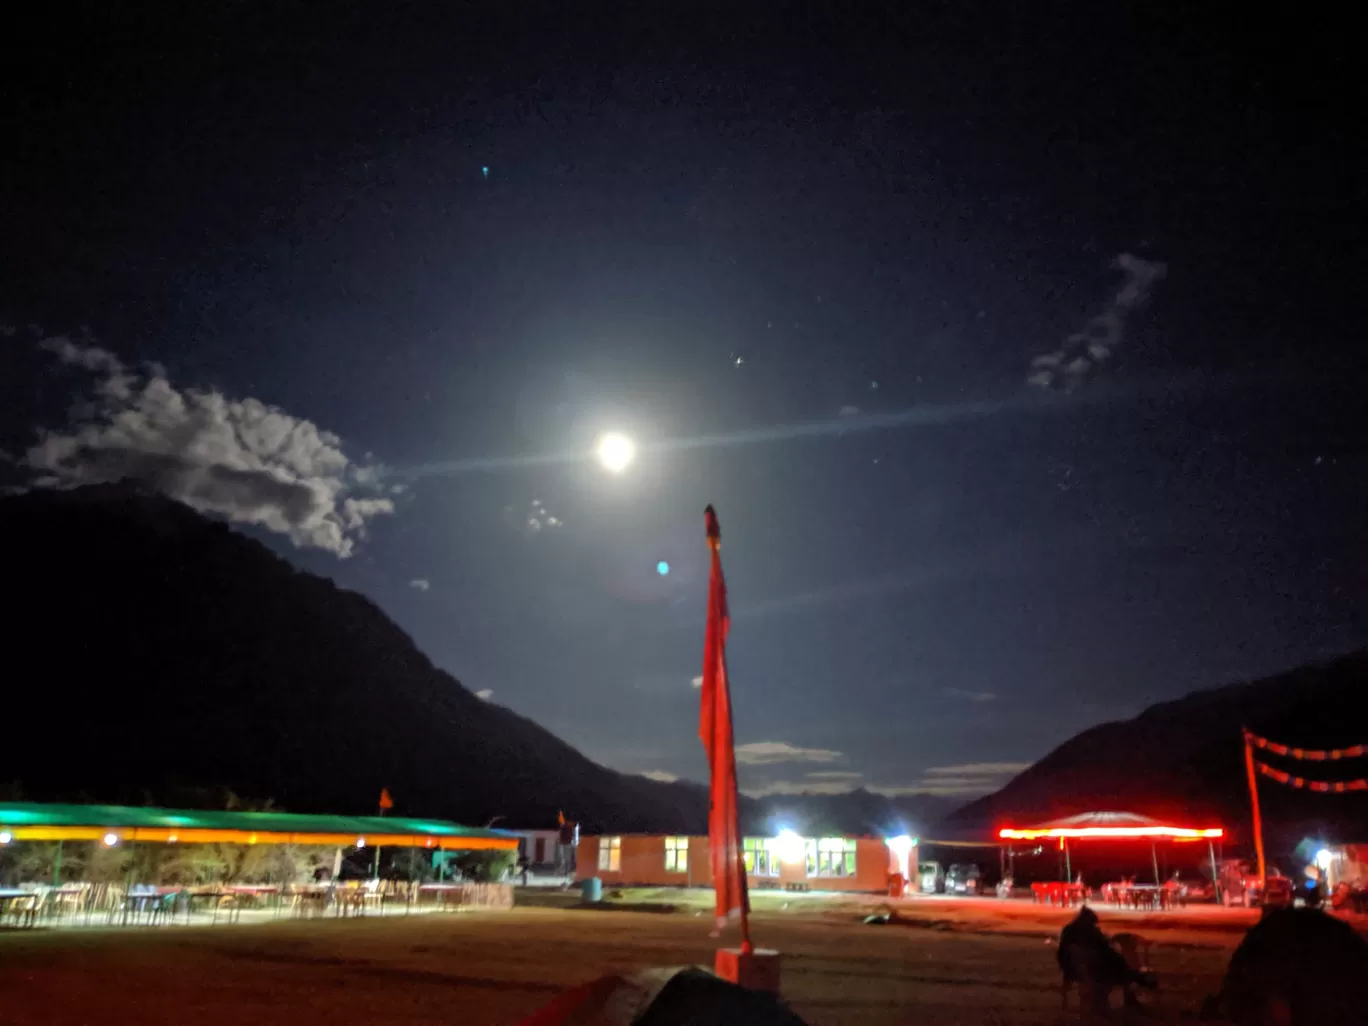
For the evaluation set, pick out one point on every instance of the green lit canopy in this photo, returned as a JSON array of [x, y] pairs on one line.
[[115, 823]]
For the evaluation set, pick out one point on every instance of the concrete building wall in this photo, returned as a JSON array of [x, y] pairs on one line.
[[641, 860]]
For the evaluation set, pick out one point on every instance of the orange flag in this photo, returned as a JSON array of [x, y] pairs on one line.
[[386, 802], [715, 728]]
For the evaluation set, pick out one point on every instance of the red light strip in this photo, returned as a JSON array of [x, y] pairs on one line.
[[1177, 833]]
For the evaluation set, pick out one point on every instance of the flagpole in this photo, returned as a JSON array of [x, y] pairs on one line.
[[742, 965], [1254, 808], [746, 947]]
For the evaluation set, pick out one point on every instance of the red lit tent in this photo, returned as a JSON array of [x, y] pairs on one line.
[[1116, 826]]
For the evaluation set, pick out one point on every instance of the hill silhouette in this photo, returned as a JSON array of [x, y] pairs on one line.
[[1184, 760], [166, 658], [154, 654]]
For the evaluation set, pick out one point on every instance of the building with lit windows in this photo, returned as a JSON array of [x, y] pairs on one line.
[[786, 862]]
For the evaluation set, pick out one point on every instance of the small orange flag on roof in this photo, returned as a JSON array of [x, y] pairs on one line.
[[386, 802]]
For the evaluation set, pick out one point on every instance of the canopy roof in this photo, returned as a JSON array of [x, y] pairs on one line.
[[1102, 825], [115, 823]]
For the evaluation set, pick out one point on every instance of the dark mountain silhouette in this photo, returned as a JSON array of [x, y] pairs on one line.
[[154, 655], [1184, 761]]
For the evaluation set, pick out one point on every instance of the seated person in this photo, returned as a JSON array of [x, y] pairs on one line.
[[1295, 967], [1088, 959]]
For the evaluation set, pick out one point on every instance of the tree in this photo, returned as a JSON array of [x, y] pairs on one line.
[[486, 866]]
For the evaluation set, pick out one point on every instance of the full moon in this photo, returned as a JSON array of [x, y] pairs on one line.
[[615, 452]]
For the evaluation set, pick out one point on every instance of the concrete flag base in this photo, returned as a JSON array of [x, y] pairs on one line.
[[755, 970]]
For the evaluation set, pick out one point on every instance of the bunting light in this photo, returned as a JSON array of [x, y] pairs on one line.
[[1313, 754], [1324, 786]]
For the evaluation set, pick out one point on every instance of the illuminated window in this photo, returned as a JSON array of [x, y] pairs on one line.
[[676, 854], [610, 854], [830, 856], [760, 859]]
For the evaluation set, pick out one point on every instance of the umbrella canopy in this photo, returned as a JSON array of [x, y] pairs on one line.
[[1103, 825]]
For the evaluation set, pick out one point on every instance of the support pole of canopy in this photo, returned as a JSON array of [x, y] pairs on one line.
[[1215, 879], [1068, 866], [57, 866], [1154, 859]]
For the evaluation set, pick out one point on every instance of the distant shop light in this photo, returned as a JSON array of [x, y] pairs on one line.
[[902, 844], [1172, 832], [6, 837], [111, 839], [1324, 858]]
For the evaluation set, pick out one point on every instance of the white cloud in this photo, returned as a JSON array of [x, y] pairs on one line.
[[1069, 366], [420, 584], [241, 459], [763, 753], [940, 788], [969, 779], [835, 774], [781, 787], [660, 776], [971, 696], [979, 769], [697, 681], [485, 694]]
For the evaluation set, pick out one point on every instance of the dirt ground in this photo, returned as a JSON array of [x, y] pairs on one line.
[[493, 968]]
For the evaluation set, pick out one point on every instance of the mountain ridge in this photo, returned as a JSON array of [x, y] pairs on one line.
[[185, 662], [1184, 758]]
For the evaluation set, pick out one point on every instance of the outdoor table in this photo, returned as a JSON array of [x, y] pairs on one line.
[[443, 892], [65, 899], [211, 896], [311, 901], [137, 903], [9, 897], [254, 892]]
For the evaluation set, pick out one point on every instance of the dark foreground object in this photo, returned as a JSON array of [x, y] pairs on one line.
[[664, 997], [1296, 967]]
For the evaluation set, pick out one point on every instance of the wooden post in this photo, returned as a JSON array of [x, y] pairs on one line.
[[1254, 807]]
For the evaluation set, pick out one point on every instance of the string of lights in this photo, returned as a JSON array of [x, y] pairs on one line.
[[1313, 754], [1327, 786]]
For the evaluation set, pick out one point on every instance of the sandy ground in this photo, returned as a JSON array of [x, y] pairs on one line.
[[493, 968]]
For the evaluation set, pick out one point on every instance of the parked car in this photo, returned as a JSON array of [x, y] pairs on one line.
[[1280, 893], [962, 878], [1195, 886], [931, 877]]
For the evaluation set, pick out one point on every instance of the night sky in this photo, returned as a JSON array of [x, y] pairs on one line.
[[1020, 353]]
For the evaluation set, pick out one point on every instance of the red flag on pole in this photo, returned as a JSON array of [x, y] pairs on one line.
[[715, 728], [386, 802]]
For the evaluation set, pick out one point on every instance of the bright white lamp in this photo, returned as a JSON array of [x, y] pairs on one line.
[[790, 847]]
